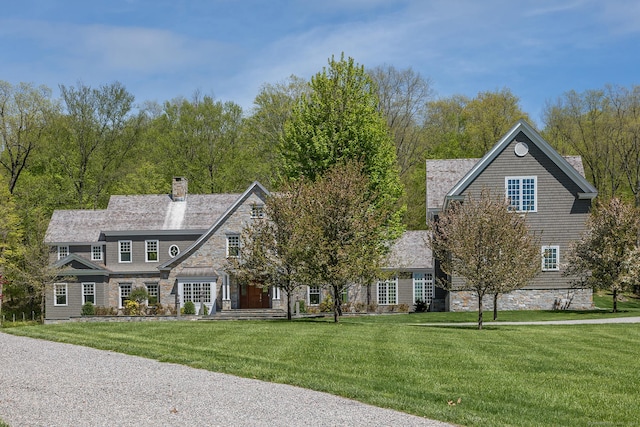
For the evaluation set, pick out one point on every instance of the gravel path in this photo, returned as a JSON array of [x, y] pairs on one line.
[[44, 383]]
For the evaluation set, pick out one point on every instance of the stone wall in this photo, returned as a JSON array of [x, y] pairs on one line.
[[524, 299]]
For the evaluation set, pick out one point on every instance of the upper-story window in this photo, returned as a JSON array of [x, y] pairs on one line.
[[63, 252], [522, 193], [151, 250], [550, 258], [124, 251], [233, 245], [174, 251], [96, 253], [257, 211]]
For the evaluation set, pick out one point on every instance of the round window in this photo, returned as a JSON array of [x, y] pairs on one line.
[[174, 250]]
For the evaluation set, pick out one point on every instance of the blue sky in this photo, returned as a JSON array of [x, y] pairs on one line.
[[161, 49]]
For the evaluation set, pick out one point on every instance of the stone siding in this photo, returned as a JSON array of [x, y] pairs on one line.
[[524, 299]]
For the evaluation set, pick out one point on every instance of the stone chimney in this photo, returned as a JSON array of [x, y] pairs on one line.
[[179, 189]]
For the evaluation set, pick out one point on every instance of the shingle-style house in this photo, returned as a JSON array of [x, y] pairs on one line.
[[549, 188]]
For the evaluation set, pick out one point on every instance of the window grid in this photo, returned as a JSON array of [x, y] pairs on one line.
[[88, 293], [257, 211], [96, 253], [154, 293], [151, 249], [124, 251], [521, 193], [233, 246], [198, 292], [423, 288], [63, 252], [125, 292], [314, 295], [388, 292], [550, 258], [60, 292]]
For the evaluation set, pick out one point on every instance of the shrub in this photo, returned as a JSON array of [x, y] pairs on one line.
[[88, 309], [420, 306], [139, 295], [326, 305], [360, 307], [373, 307], [403, 308], [303, 308], [131, 308], [189, 307], [105, 311]]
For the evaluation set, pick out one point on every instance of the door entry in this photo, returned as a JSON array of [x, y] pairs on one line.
[[254, 297]]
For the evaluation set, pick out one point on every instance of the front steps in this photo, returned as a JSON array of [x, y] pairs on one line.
[[248, 314]]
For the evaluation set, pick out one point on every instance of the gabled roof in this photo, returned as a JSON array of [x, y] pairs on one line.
[[88, 267], [410, 252], [75, 226], [253, 188], [447, 179]]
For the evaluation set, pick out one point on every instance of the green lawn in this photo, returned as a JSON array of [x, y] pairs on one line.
[[504, 375]]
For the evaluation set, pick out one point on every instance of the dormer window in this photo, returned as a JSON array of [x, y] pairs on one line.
[[63, 252], [96, 253], [124, 251]]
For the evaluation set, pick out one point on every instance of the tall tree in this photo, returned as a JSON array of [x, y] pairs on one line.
[[11, 235], [487, 246], [339, 121], [604, 257], [23, 113]]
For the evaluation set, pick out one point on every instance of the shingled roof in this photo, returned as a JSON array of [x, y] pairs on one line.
[[410, 252]]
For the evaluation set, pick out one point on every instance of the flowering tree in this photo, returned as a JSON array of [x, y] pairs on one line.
[[607, 255], [488, 246]]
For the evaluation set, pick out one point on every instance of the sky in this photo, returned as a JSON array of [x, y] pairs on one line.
[[163, 49]]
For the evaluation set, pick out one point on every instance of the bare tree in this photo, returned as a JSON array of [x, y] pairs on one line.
[[488, 247]]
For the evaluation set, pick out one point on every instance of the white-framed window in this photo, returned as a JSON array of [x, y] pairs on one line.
[[125, 292], [550, 258], [154, 293], [89, 293], [522, 193], [151, 250], [314, 295], [174, 251], [124, 251], [60, 294], [257, 211], [96, 253], [63, 252], [388, 291], [233, 245], [423, 287], [196, 292]]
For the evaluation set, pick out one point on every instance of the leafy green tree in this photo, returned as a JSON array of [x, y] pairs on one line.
[[23, 114], [339, 121], [11, 235], [607, 255], [487, 246]]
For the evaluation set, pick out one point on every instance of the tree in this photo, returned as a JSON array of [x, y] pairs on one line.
[[339, 121], [23, 114], [606, 255], [489, 247], [11, 234], [273, 248], [344, 230]]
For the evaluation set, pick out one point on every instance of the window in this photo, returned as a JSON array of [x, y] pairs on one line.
[[96, 253], [154, 294], [125, 292], [522, 193], [198, 292], [233, 245], [550, 258], [314, 295], [63, 252], [423, 288], [60, 293], [124, 251], [174, 251], [257, 211], [88, 293], [151, 249], [388, 292]]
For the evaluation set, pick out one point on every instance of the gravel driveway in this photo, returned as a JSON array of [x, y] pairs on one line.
[[43, 383]]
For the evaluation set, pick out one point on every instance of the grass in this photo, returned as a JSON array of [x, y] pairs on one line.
[[504, 375]]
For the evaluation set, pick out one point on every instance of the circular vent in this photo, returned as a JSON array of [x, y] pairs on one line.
[[521, 149]]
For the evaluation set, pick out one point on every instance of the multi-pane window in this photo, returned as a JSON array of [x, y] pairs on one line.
[[522, 193], [198, 292], [550, 258], [233, 245], [423, 288], [151, 249], [388, 291], [124, 251], [154, 294], [63, 252], [88, 293], [257, 211], [60, 293], [174, 251], [125, 292], [96, 253], [314, 295]]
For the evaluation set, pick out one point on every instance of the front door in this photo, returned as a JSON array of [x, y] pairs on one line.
[[254, 297]]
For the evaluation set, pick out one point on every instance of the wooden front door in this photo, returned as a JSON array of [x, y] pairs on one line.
[[254, 297]]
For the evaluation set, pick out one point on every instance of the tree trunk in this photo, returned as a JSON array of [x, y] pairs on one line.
[[615, 300], [479, 312], [495, 307], [289, 305]]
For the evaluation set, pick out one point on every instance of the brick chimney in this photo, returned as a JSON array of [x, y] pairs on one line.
[[179, 189]]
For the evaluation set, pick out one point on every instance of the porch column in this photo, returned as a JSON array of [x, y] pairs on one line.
[[275, 301], [226, 293]]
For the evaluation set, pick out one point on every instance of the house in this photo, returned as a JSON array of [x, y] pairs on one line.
[[537, 180]]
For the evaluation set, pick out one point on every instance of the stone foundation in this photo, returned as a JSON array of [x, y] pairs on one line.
[[524, 299]]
